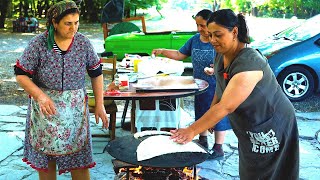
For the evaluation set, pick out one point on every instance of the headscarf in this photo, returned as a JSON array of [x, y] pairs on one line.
[[55, 11]]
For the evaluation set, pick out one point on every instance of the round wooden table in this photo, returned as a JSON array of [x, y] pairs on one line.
[[133, 95]]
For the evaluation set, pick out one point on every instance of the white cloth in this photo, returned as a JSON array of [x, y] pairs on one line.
[[158, 118], [151, 66]]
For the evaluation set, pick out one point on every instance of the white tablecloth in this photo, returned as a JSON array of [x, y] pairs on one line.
[[157, 119]]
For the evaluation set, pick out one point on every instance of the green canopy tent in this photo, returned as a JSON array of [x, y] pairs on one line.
[[124, 27], [113, 12]]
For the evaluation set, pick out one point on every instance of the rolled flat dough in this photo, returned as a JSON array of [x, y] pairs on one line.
[[138, 135], [160, 144]]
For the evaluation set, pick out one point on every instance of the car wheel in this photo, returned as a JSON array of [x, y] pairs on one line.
[[297, 83]]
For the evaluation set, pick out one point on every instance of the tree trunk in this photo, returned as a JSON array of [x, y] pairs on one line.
[[311, 13], [160, 13], [92, 11], [46, 6], [83, 10], [254, 11], [25, 8], [4, 6], [39, 9], [33, 8], [295, 7], [215, 6], [127, 12], [9, 10], [20, 8]]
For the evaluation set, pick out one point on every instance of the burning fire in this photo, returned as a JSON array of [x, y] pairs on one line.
[[151, 173], [133, 170]]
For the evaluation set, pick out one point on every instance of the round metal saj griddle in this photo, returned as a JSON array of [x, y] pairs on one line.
[[124, 149]]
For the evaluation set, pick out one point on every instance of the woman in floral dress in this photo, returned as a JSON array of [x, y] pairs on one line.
[[52, 71]]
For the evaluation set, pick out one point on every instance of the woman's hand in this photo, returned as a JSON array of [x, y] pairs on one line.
[[46, 105], [100, 112], [209, 70], [112, 87], [183, 135], [157, 51]]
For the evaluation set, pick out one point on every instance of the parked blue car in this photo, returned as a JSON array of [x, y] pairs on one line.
[[294, 57]]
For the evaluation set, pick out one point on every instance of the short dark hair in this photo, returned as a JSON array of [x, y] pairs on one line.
[[204, 13], [228, 19]]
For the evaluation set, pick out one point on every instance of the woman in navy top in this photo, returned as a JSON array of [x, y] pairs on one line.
[[202, 54]]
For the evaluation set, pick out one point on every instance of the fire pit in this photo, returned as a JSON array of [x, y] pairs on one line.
[[180, 165], [125, 171]]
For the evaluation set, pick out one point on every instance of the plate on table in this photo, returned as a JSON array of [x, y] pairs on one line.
[[167, 83]]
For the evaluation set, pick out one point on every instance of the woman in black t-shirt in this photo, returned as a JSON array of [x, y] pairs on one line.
[[260, 114]]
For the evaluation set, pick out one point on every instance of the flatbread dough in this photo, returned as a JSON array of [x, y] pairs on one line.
[[159, 145], [138, 135]]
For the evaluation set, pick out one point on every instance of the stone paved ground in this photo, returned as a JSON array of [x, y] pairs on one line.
[[12, 123]]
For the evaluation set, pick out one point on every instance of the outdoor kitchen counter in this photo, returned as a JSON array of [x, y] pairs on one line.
[[133, 95]]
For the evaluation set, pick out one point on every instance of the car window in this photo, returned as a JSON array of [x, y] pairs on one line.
[[305, 30]]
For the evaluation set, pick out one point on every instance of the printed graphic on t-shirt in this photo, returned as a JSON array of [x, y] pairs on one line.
[[264, 142]]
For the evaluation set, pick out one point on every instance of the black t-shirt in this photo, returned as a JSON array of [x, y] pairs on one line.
[[264, 123]]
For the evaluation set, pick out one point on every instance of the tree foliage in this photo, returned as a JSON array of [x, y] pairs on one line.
[[275, 8], [131, 6], [4, 4], [91, 9]]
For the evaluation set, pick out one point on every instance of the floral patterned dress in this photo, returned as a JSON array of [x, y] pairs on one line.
[[57, 73]]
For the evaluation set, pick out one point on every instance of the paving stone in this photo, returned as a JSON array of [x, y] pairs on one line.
[[14, 168], [10, 173], [308, 128], [96, 175], [23, 113], [231, 165], [103, 168], [309, 154], [309, 115], [212, 169], [13, 127], [310, 173], [12, 119], [18, 153], [309, 160], [97, 130], [230, 138], [24, 107], [9, 144], [6, 110], [35, 176], [19, 134]]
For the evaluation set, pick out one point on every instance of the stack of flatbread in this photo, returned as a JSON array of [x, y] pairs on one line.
[[158, 145]]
